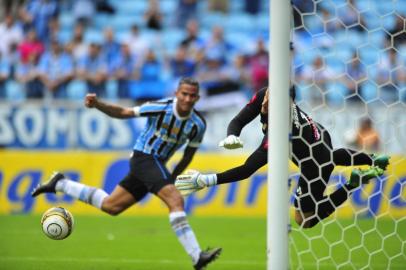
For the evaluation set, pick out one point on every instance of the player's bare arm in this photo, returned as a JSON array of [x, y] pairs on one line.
[[115, 111]]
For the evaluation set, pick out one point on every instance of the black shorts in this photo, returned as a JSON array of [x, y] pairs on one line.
[[308, 195], [147, 174], [315, 161]]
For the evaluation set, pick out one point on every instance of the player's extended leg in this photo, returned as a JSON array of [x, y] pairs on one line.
[[310, 191], [311, 204], [328, 204], [119, 200], [349, 157], [177, 217]]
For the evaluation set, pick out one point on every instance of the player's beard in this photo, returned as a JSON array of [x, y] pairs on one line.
[[264, 108]]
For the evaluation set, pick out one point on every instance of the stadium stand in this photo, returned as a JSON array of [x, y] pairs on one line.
[[241, 30]]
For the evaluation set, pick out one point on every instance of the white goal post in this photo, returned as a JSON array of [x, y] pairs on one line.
[[348, 68], [278, 130]]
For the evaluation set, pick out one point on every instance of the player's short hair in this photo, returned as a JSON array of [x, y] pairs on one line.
[[189, 81]]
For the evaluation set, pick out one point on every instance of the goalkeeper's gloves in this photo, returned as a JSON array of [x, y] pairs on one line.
[[231, 142], [193, 181]]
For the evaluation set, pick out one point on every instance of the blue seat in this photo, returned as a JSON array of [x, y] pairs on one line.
[[402, 92], [343, 51], [335, 62], [101, 20], [66, 20], [147, 89], [377, 37], [372, 19], [64, 36], [236, 6], [241, 22], [76, 90], [168, 7], [93, 36], [399, 7], [308, 56], [362, 5], [336, 93], [313, 24], [124, 22], [213, 18], [235, 38], [369, 91], [302, 92], [172, 38], [388, 22], [356, 39], [111, 89], [262, 21], [14, 91], [402, 53], [307, 91], [130, 7], [385, 7], [328, 5], [339, 3], [368, 55]]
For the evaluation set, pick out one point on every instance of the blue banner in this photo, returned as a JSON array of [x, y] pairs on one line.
[[62, 127]]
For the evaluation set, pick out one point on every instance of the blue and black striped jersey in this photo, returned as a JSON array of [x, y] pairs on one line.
[[166, 131]]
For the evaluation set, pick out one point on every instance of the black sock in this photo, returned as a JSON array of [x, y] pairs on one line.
[[337, 198], [349, 157]]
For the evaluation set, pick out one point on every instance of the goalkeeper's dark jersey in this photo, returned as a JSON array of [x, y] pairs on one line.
[[302, 124], [312, 152]]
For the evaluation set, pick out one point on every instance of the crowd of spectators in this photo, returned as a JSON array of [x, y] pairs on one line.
[[33, 54], [34, 57]]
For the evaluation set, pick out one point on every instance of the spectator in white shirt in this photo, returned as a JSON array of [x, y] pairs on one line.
[[10, 33]]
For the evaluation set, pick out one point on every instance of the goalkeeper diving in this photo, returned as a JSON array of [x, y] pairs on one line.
[[312, 152]]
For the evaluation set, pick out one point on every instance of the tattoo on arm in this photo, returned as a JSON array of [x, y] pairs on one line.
[[114, 111]]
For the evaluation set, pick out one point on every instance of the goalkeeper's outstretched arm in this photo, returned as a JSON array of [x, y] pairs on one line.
[[193, 181], [246, 115]]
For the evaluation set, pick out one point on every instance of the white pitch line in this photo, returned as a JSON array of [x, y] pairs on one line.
[[142, 261], [139, 261]]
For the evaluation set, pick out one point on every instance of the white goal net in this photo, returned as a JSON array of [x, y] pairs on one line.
[[350, 72]]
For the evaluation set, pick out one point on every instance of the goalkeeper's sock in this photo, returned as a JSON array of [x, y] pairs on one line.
[[207, 180], [89, 195], [338, 197], [185, 234], [348, 157], [329, 204]]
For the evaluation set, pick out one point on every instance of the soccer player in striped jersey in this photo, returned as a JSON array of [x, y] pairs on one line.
[[171, 123], [312, 152]]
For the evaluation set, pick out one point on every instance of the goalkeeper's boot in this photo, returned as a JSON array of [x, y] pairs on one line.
[[359, 176], [382, 161], [207, 257], [48, 187]]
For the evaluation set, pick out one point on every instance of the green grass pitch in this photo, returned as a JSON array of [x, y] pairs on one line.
[[124, 242]]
